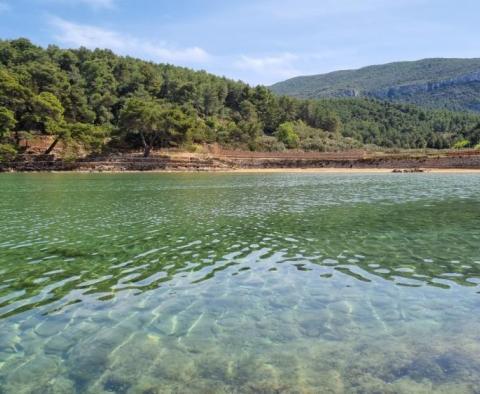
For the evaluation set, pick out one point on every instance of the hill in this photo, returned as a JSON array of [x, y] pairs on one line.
[[437, 83], [94, 101]]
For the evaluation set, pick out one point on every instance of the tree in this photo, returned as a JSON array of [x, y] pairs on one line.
[[12, 94], [286, 134], [267, 107], [141, 117], [7, 121], [7, 152], [175, 125], [80, 95], [49, 115], [474, 135], [331, 123], [155, 122]]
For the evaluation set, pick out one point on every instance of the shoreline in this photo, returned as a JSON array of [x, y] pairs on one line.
[[286, 170], [196, 163], [351, 170]]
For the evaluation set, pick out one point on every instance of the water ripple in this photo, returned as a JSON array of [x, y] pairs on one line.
[[229, 277]]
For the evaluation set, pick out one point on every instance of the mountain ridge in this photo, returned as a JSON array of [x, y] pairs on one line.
[[447, 83]]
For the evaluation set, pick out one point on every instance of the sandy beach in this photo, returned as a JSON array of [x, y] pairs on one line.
[[350, 170], [326, 171]]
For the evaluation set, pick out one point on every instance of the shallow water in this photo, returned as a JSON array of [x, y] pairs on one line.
[[278, 283]]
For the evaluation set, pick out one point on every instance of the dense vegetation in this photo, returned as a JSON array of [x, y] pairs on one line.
[[438, 83], [403, 125], [97, 100]]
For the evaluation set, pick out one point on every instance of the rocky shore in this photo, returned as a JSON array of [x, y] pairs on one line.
[[186, 162]]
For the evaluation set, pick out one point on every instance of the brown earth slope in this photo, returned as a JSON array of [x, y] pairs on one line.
[[233, 160]]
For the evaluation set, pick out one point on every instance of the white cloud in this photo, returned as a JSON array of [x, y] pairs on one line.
[[77, 35], [312, 9], [269, 68], [4, 7], [96, 4], [87, 36], [192, 54]]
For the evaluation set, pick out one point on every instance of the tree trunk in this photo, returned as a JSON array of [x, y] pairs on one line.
[[146, 150], [52, 146], [17, 138]]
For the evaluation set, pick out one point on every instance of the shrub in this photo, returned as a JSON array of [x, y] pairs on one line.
[[313, 144], [269, 144], [7, 152], [287, 135], [461, 144]]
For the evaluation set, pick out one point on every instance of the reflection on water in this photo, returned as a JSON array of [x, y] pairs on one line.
[[239, 283]]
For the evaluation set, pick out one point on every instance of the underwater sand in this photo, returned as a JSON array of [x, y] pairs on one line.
[[239, 283]]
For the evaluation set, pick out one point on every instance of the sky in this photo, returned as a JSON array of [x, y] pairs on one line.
[[257, 41]]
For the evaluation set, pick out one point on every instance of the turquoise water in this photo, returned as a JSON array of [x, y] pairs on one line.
[[237, 283]]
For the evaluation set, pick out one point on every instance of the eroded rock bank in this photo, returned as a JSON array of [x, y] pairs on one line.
[[119, 163]]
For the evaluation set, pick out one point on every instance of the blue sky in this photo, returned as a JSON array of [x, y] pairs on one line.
[[258, 41]]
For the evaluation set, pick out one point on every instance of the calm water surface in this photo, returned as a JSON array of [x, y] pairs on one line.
[[214, 283]]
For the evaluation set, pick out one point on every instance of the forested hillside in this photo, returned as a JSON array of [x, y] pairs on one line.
[[98, 100], [438, 83]]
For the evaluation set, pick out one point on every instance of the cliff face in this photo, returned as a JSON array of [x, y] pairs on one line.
[[409, 89], [458, 94], [437, 83]]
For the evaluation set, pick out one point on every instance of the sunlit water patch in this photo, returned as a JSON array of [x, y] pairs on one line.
[[146, 283]]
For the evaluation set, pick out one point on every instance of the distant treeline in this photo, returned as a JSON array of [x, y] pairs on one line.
[[98, 100]]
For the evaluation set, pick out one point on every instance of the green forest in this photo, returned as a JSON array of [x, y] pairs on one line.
[[104, 102]]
